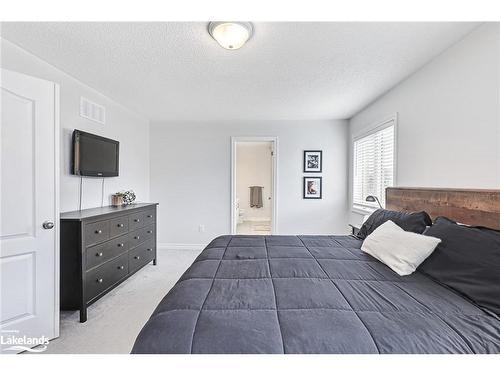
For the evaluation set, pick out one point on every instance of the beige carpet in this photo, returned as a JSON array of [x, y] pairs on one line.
[[115, 320]]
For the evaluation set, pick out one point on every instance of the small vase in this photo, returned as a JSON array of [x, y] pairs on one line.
[[116, 200]]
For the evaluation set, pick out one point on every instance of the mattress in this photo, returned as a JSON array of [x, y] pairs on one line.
[[310, 294]]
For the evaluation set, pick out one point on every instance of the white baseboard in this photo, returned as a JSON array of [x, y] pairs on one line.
[[180, 246]]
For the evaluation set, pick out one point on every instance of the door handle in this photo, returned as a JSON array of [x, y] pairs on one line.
[[48, 225]]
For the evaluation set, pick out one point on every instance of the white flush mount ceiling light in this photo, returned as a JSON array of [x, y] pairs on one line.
[[231, 35]]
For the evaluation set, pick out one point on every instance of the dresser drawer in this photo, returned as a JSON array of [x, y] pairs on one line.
[[96, 232], [136, 220], [99, 254], [118, 226], [141, 235], [149, 217], [141, 255], [101, 278]]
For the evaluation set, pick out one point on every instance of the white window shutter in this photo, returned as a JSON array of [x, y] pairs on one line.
[[373, 168]]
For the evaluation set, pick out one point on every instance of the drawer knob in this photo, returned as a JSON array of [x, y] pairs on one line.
[[150, 231], [150, 216], [98, 231], [119, 225], [137, 220], [149, 249], [98, 254], [120, 267], [120, 245], [137, 257], [99, 281], [137, 237]]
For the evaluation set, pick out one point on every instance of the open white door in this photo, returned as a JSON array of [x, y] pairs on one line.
[[29, 251]]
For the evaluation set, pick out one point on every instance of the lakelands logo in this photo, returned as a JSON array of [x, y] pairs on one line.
[[17, 343]]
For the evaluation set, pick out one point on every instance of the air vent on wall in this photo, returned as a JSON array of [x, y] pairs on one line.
[[92, 111]]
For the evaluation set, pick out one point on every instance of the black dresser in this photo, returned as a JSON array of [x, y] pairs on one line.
[[101, 247]]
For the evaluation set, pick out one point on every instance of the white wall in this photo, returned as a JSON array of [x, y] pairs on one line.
[[254, 168], [190, 176], [449, 117], [131, 129]]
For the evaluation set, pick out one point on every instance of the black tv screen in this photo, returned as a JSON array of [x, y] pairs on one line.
[[94, 155]]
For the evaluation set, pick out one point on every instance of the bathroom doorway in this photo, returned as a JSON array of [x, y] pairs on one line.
[[253, 185]]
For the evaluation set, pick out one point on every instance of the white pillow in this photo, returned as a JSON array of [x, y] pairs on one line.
[[400, 250]]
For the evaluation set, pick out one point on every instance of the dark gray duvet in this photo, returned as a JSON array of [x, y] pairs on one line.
[[310, 294]]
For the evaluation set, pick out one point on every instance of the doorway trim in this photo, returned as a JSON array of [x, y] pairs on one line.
[[274, 179]]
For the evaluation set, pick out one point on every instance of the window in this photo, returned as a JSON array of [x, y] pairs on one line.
[[373, 165]]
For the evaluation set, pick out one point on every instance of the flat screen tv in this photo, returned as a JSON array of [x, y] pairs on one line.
[[94, 155]]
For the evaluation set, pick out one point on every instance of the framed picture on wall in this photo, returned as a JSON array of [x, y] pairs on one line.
[[312, 188], [313, 161]]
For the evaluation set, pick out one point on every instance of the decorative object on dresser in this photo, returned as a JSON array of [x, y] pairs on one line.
[[123, 197], [117, 199], [128, 197], [100, 248]]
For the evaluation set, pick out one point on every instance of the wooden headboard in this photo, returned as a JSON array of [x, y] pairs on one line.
[[467, 206]]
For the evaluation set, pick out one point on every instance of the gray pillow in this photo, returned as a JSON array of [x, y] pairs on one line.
[[467, 260], [415, 222]]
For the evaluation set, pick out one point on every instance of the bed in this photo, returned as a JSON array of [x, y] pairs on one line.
[[312, 294]]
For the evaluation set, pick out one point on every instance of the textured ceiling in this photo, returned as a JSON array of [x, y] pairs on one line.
[[293, 70]]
